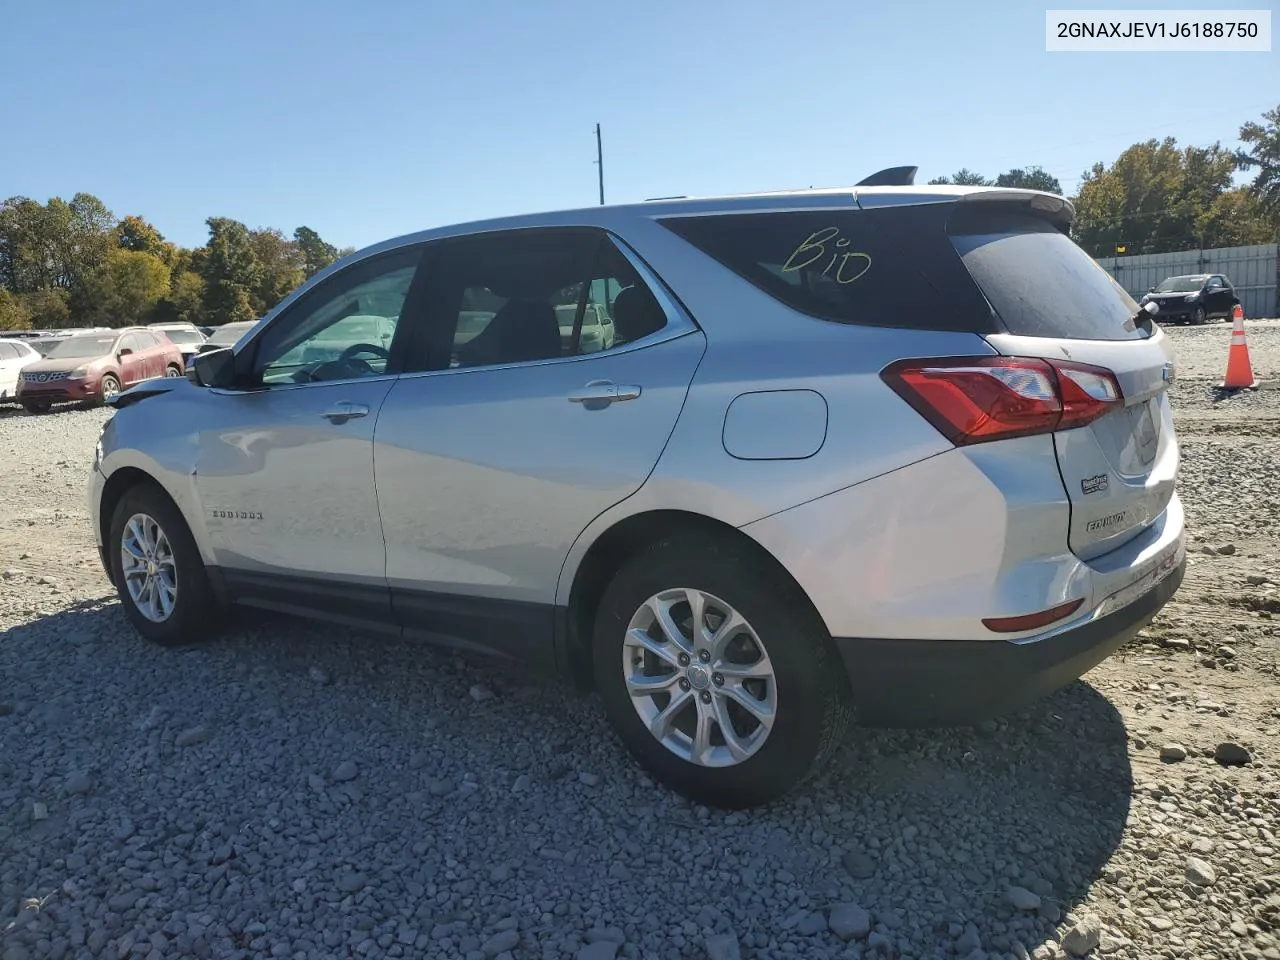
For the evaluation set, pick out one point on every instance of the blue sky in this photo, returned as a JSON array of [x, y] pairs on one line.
[[368, 120]]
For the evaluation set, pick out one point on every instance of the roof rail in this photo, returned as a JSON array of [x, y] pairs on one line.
[[891, 177]]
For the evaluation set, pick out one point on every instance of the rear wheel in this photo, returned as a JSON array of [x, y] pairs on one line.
[[717, 675], [172, 372], [37, 406], [108, 388], [158, 573]]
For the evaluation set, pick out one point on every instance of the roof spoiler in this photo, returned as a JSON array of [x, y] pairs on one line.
[[891, 177]]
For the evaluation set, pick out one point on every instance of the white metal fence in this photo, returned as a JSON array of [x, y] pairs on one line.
[[1254, 271]]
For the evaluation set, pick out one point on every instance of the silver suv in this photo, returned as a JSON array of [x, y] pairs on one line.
[[898, 453]]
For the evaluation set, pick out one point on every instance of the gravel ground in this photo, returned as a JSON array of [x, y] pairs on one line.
[[296, 790]]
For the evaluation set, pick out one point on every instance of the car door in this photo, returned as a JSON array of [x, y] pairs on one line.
[[285, 463], [1223, 297], [501, 442], [10, 364], [132, 359]]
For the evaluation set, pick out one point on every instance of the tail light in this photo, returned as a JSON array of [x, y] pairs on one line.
[[976, 399]]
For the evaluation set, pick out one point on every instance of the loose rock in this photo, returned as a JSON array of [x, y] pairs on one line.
[[1231, 754], [1200, 873], [1085, 935]]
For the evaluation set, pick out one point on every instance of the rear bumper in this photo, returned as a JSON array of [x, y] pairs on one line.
[[925, 683]]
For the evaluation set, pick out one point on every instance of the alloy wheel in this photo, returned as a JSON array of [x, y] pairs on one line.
[[148, 567], [699, 677]]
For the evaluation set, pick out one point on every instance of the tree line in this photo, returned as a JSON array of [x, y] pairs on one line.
[[74, 264], [1158, 198]]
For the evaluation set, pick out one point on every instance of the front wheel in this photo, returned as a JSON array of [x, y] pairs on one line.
[[716, 673], [1198, 318], [109, 388], [157, 569]]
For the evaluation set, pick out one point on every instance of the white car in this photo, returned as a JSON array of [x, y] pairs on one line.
[[14, 356]]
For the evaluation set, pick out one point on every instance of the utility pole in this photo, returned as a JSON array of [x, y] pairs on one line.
[[600, 163]]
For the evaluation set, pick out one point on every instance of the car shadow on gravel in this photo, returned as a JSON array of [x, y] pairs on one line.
[[479, 775]]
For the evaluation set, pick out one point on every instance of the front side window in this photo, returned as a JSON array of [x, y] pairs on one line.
[[343, 329], [534, 295]]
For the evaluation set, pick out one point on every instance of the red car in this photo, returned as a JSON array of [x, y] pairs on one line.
[[97, 366]]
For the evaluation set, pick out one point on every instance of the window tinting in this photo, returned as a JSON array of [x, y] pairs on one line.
[[892, 267], [534, 295]]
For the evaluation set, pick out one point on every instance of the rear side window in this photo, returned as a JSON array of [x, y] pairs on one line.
[[893, 267], [1039, 282]]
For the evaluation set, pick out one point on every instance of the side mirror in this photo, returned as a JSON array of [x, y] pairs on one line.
[[124, 352], [1151, 307], [216, 368]]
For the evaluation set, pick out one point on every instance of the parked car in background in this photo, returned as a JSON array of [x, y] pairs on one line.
[[1195, 298], [226, 335], [902, 453], [15, 356], [186, 335], [97, 366]]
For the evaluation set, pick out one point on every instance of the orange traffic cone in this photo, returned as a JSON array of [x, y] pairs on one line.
[[1239, 372]]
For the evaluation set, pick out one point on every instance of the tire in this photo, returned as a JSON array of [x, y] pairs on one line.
[[172, 372], [193, 614], [809, 695], [1199, 318], [108, 387], [37, 406]]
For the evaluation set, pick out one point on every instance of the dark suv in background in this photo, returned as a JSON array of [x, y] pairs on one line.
[[1196, 298]]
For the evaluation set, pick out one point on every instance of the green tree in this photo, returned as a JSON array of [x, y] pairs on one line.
[[964, 177], [14, 314], [1032, 178], [134, 233], [230, 271], [1263, 152], [280, 268], [1154, 198], [316, 253], [33, 242], [227, 302], [48, 308], [126, 288]]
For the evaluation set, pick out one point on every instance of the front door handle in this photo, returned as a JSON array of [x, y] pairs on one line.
[[345, 410], [601, 393]]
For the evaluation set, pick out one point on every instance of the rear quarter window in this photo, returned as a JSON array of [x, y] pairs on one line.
[[889, 268]]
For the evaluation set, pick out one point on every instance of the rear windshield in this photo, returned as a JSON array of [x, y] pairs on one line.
[[936, 266], [183, 336], [1039, 282]]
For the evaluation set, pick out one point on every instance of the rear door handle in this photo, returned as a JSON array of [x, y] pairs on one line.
[[600, 393], [345, 410]]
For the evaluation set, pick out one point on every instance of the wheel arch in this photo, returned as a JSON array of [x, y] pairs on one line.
[[120, 482], [618, 544]]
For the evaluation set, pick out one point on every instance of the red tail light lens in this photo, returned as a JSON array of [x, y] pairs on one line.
[[976, 399], [1032, 621]]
